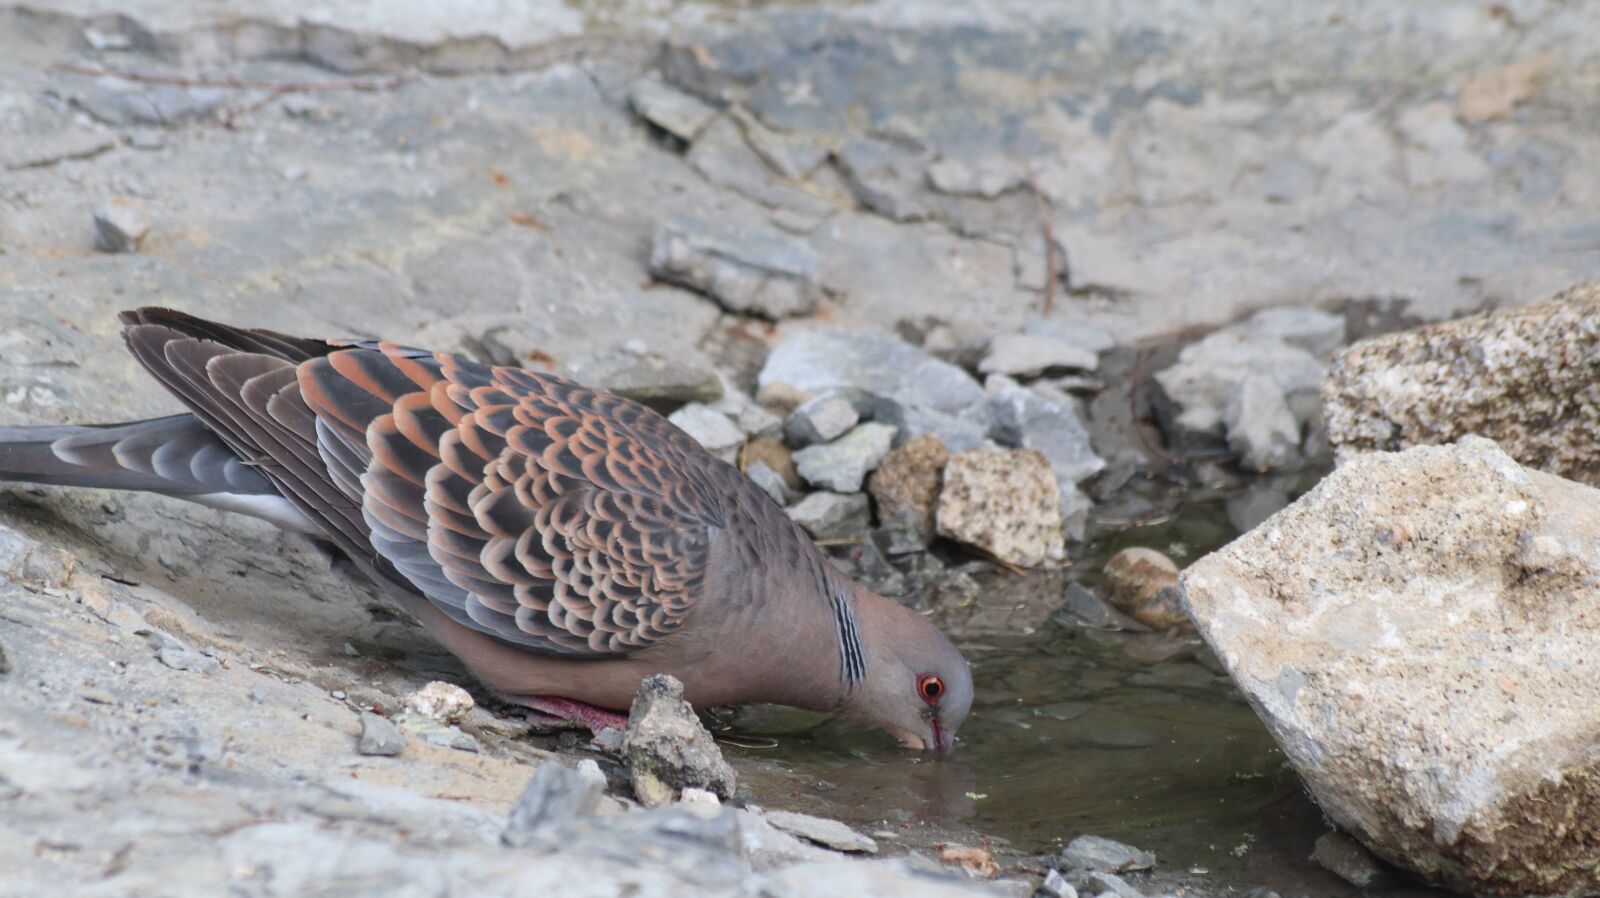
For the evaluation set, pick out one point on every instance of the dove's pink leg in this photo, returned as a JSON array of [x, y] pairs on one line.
[[596, 719]]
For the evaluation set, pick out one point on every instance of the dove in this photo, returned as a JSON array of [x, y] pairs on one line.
[[563, 542]]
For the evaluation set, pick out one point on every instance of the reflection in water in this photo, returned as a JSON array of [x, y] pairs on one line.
[[1072, 732]]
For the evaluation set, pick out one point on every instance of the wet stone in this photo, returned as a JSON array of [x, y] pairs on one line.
[[379, 737], [1099, 854], [120, 226], [765, 273], [556, 794], [1345, 858], [1142, 583]]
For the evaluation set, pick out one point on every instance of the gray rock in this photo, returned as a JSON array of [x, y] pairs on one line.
[[652, 379], [831, 515], [819, 419], [1046, 421], [842, 465], [722, 156], [1102, 855], [1345, 858], [790, 155], [987, 177], [1081, 607], [668, 749], [379, 736], [120, 103], [710, 429], [310, 109], [764, 273], [770, 481], [703, 853], [770, 848], [745, 412], [120, 226], [679, 114], [1262, 429], [884, 177], [889, 877], [174, 653], [1444, 584], [556, 794], [829, 833], [435, 732], [904, 386], [1112, 884], [1057, 886], [5, 662], [1248, 387], [1084, 336], [1315, 331], [1030, 355]]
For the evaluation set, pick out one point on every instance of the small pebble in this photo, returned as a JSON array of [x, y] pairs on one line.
[[441, 701], [379, 737], [120, 226], [338, 694], [98, 696]]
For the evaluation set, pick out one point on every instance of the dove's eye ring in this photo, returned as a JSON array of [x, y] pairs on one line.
[[930, 687]]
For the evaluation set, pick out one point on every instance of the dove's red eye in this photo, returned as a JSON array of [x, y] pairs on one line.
[[931, 688]]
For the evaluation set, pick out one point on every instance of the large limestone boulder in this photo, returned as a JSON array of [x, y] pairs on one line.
[[1421, 633], [1528, 378]]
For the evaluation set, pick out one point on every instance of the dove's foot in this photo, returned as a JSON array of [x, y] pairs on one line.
[[596, 719]]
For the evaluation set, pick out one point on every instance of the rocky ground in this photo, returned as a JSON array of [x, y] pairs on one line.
[[932, 274]]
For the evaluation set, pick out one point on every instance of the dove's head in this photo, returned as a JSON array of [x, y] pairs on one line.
[[916, 685]]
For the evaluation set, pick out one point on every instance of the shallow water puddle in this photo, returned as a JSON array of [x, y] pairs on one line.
[[1136, 737]]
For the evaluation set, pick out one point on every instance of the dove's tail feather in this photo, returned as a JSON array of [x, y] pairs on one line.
[[174, 455], [178, 456]]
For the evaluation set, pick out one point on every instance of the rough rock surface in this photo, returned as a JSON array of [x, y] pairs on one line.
[[1524, 377], [1005, 502], [668, 749], [1412, 631], [1254, 385], [760, 273], [918, 392], [556, 794], [827, 515], [842, 465]]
